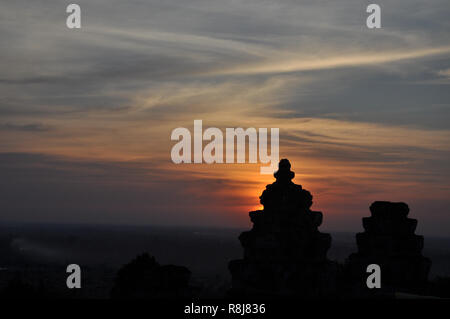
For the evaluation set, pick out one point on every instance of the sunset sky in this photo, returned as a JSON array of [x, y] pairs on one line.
[[86, 115]]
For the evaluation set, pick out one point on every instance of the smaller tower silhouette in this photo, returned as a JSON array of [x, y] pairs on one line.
[[389, 241]]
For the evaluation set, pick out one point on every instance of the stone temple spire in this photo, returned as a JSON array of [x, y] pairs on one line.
[[284, 252], [389, 240]]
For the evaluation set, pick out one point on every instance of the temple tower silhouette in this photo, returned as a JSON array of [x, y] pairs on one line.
[[284, 252], [389, 240]]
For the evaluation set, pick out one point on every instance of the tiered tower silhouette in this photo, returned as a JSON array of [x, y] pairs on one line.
[[389, 241], [284, 252]]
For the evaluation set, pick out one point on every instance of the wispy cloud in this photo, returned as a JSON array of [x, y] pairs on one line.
[[30, 127], [286, 63]]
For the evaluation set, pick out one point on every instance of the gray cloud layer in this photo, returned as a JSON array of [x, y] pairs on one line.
[[124, 48]]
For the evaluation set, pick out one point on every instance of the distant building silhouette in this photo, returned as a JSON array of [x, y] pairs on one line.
[[144, 278]]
